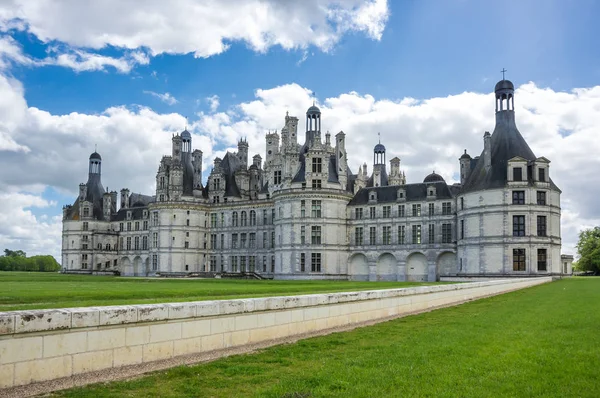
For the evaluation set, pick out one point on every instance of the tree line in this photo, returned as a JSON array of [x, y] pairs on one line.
[[17, 260], [588, 249]]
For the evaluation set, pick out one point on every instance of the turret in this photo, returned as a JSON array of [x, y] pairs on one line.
[[395, 177], [243, 153], [177, 147], [113, 201], [465, 167], [197, 163], [313, 125], [95, 164], [106, 205], [341, 158], [124, 198], [257, 161], [82, 191], [272, 141]]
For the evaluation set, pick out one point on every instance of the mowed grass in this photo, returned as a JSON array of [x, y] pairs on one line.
[[23, 290], [538, 342]]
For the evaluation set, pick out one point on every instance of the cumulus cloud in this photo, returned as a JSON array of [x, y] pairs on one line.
[[202, 28], [213, 102], [164, 97], [426, 134]]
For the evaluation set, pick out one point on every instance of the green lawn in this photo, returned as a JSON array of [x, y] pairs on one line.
[[22, 290], [542, 341]]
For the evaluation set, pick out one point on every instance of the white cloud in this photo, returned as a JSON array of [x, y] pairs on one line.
[[167, 98], [213, 102], [426, 134], [201, 28]]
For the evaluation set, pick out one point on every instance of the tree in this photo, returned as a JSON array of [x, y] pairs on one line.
[[14, 253], [588, 249]]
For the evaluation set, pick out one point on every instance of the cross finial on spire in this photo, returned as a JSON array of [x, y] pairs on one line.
[[503, 72], [379, 134]]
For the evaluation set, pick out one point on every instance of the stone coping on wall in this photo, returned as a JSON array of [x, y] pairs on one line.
[[19, 322]]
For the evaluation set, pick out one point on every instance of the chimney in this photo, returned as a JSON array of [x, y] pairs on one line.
[[487, 150]]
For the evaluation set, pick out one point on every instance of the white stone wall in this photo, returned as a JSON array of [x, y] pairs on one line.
[[49, 344]]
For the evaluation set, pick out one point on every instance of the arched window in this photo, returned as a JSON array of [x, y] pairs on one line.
[[252, 217], [244, 219], [234, 219]]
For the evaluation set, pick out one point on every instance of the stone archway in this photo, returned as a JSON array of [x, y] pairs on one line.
[[416, 267], [137, 266], [446, 264], [358, 267], [387, 267], [126, 268]]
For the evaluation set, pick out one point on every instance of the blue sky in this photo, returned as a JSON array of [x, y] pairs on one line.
[[357, 57]]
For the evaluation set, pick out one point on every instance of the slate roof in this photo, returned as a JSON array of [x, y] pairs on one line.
[[414, 192]]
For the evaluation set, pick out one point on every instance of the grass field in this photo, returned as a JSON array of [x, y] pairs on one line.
[[542, 341], [22, 290]]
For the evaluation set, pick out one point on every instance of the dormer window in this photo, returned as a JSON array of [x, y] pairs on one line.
[[517, 174], [542, 174], [317, 165], [216, 184], [86, 211], [129, 215], [401, 194], [372, 196]]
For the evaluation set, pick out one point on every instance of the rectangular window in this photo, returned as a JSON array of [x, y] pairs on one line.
[[541, 225], [222, 241], [315, 264], [401, 234], [446, 233], [316, 209], [154, 262], [387, 235], [155, 218], [277, 177], [302, 208], [222, 219], [243, 241], [358, 236], [252, 241], [542, 175], [316, 184], [186, 245], [517, 174], [416, 210], [401, 211], [265, 219], [372, 235], [272, 264], [272, 239], [541, 198], [462, 229], [431, 231], [264, 242], [86, 212], [358, 213], [129, 226], [302, 262], [541, 259], [242, 263], [431, 209], [416, 234], [518, 259], [136, 243], [518, 225], [234, 264], [264, 268], [85, 226], [145, 225], [315, 234], [518, 197], [317, 165], [372, 212], [234, 241], [462, 203], [446, 208], [121, 227], [213, 263], [213, 241], [387, 211], [252, 263], [137, 225], [252, 217], [129, 243], [302, 235], [155, 239]]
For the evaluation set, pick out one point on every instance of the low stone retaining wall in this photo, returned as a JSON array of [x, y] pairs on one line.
[[50, 344]]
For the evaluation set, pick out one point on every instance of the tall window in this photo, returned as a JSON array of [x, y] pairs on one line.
[[145, 225], [213, 220], [155, 240], [234, 219], [129, 243], [155, 218], [234, 264], [154, 262], [303, 234], [401, 234], [518, 225], [387, 235], [462, 229], [372, 235], [86, 211], [303, 208], [213, 263], [518, 259], [252, 263], [416, 210], [462, 203], [302, 262], [431, 231], [252, 241], [136, 243], [315, 234], [129, 226], [446, 233], [264, 242], [315, 263], [234, 241], [372, 212], [243, 241], [316, 184], [431, 209], [277, 177], [542, 175], [358, 236], [85, 226], [541, 225], [222, 219], [242, 263], [265, 219], [541, 258], [517, 174], [244, 219], [272, 239], [121, 228], [317, 165], [252, 217], [264, 268], [401, 211], [416, 234], [358, 213], [541, 198], [387, 211], [213, 241], [446, 208], [216, 184], [518, 197], [316, 209], [137, 226]]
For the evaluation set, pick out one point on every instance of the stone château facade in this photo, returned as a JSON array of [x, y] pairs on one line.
[[303, 214]]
